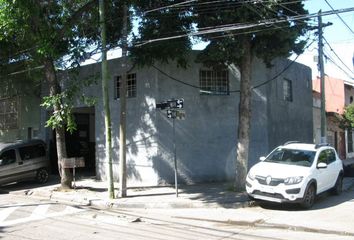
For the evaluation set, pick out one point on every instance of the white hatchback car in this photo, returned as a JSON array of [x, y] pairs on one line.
[[296, 173]]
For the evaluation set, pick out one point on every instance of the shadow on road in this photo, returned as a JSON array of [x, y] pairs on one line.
[[31, 184], [323, 201], [214, 193]]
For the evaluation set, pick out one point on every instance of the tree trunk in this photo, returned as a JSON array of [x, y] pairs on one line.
[[244, 117], [65, 174], [107, 112]]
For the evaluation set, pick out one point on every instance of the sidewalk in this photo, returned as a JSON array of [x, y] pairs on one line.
[[91, 192]]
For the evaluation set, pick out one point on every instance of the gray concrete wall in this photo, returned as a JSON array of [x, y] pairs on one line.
[[206, 139], [290, 121], [141, 129]]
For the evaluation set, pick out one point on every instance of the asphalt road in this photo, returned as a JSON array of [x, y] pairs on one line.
[[26, 218]]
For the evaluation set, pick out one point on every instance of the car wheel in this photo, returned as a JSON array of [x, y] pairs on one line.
[[42, 175], [338, 187], [309, 197]]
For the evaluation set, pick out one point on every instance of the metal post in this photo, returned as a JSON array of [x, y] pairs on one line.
[[322, 76], [175, 154], [74, 177], [123, 111]]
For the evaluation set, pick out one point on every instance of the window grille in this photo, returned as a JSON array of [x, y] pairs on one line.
[[131, 85], [214, 82]]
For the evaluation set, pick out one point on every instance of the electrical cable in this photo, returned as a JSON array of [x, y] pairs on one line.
[[337, 55], [339, 67], [237, 26], [340, 17], [235, 91]]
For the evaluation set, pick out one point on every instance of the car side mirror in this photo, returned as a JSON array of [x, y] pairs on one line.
[[262, 158], [0, 162], [322, 165]]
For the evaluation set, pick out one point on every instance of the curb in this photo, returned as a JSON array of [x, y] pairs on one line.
[[79, 198], [122, 204], [165, 205]]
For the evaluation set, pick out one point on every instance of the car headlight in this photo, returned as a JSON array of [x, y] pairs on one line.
[[293, 180], [251, 175]]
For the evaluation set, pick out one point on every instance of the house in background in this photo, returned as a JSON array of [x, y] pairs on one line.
[[338, 94], [206, 139], [349, 134]]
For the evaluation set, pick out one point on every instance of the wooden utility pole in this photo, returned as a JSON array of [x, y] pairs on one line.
[[123, 109], [107, 115], [322, 79]]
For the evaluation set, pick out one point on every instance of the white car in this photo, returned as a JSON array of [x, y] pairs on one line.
[[296, 173]]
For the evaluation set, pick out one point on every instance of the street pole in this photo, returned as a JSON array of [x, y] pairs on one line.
[[322, 80], [175, 155], [123, 110]]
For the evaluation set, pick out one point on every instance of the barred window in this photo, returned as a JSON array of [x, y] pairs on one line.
[[214, 82], [131, 85], [287, 90], [8, 113]]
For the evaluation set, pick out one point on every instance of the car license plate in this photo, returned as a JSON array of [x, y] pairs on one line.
[[267, 189]]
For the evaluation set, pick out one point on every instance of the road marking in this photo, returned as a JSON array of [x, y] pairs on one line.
[[6, 212], [39, 213]]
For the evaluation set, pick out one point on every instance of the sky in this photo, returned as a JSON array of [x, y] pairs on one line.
[[340, 40]]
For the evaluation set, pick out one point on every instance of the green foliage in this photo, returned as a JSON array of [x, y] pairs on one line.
[[62, 117], [66, 101], [347, 121], [65, 32], [159, 24], [267, 42]]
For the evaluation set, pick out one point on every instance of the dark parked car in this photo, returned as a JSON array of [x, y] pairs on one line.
[[23, 160]]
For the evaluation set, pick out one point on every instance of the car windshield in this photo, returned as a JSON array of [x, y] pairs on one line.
[[292, 157]]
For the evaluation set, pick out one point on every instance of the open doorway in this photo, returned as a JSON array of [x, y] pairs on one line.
[[80, 143]]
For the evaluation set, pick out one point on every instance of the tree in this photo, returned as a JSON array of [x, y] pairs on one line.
[[240, 47], [159, 20], [55, 34], [108, 124], [347, 118]]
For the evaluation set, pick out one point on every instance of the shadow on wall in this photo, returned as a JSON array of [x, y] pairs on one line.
[[203, 155], [141, 131]]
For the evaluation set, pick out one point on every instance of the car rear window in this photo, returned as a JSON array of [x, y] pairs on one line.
[[30, 152], [292, 157]]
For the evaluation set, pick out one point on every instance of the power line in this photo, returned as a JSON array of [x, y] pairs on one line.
[[235, 91], [169, 6], [237, 26], [339, 17], [337, 55], [339, 67]]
